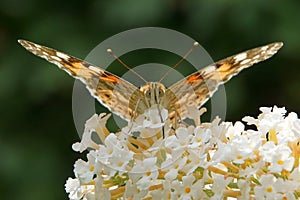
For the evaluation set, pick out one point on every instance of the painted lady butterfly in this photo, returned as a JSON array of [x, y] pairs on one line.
[[128, 101]]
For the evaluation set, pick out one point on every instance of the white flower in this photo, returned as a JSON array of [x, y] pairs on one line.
[[219, 185], [224, 152], [279, 156], [154, 117], [196, 159], [114, 155], [177, 144], [282, 159], [235, 130], [269, 120], [73, 187], [197, 191], [244, 186], [106, 151], [285, 186], [272, 188], [184, 136], [144, 172], [267, 150], [266, 190], [76, 190], [164, 193], [201, 137], [85, 171], [100, 192], [120, 159], [183, 190], [251, 169], [243, 147], [94, 124], [132, 191], [218, 130], [173, 166]]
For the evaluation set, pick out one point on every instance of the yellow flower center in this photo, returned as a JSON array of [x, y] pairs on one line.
[[280, 162], [92, 168], [269, 189], [148, 173], [187, 190], [120, 163]]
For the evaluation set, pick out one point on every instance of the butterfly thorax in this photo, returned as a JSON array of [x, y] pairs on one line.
[[153, 92], [156, 94]]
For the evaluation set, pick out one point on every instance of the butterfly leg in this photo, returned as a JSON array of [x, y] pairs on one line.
[[173, 117], [161, 120], [133, 116], [177, 121]]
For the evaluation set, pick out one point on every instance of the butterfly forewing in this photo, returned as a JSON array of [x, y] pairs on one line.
[[196, 89], [116, 94]]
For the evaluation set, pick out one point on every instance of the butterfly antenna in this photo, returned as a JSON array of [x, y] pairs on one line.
[[124, 65], [180, 61]]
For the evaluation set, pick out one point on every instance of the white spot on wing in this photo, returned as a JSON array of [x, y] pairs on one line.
[[240, 56], [62, 55], [95, 69], [264, 48], [245, 61], [209, 69], [45, 53], [56, 58], [256, 57]]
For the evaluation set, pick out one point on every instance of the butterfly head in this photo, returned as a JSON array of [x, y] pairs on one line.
[[153, 92]]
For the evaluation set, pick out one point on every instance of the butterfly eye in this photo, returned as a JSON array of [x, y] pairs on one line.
[[161, 93], [147, 93]]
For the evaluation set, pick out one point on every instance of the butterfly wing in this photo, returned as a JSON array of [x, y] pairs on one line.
[[196, 89], [118, 95]]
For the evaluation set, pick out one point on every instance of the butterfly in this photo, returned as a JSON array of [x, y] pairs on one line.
[[128, 101]]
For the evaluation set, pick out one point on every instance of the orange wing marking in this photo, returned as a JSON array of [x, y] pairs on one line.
[[194, 78], [110, 78]]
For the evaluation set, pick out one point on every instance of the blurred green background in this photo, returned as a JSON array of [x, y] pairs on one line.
[[36, 125]]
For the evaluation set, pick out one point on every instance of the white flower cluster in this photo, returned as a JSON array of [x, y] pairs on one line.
[[217, 160]]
